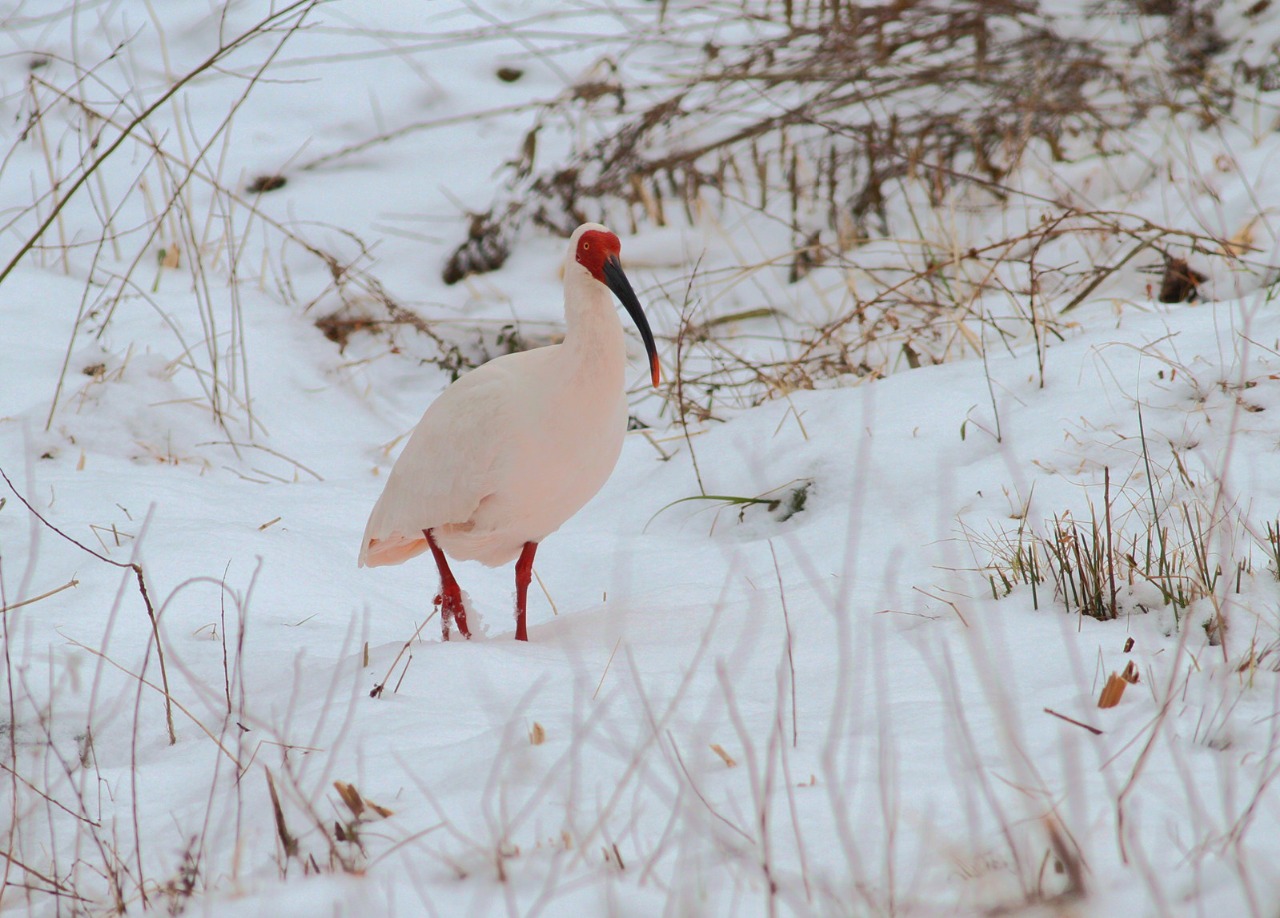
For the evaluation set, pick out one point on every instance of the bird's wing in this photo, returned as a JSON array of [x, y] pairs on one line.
[[455, 458]]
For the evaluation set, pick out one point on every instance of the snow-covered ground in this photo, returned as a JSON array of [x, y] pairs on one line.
[[815, 707]]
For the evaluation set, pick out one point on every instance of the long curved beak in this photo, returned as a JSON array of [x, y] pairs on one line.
[[621, 287]]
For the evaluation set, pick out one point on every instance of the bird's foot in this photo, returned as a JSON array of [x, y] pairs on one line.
[[444, 621], [452, 610]]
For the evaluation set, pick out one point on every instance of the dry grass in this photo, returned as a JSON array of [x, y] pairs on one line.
[[1140, 562], [170, 217], [832, 121], [822, 118]]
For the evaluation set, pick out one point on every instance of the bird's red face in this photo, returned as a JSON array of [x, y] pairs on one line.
[[594, 249], [598, 252]]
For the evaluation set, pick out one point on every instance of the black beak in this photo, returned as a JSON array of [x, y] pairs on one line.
[[621, 288]]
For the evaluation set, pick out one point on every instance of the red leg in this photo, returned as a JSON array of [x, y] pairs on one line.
[[524, 570], [450, 597]]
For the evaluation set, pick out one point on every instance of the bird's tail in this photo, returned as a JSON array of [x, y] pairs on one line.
[[395, 549]]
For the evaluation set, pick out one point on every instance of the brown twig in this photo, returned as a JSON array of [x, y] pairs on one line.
[[264, 24], [791, 663], [134, 566], [26, 602], [1071, 720], [376, 691]]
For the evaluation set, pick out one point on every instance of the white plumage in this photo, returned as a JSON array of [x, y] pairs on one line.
[[514, 448]]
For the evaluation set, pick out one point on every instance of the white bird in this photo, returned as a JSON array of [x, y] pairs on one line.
[[514, 448]]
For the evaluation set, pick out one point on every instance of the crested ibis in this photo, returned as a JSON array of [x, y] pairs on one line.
[[514, 448]]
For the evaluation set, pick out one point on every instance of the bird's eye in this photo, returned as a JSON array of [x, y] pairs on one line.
[[585, 246]]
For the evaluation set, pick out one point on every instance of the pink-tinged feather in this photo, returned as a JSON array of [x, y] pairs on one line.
[[513, 449], [395, 550]]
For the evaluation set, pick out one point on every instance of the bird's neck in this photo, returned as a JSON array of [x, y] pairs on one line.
[[593, 339]]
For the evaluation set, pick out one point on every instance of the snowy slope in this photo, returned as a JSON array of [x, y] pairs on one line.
[[724, 708]]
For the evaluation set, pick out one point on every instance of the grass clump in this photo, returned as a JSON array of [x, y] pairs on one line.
[[1097, 570]]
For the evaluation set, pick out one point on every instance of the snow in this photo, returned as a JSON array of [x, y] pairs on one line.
[[884, 726]]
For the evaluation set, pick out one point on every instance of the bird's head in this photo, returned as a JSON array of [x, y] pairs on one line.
[[599, 251], [593, 247]]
